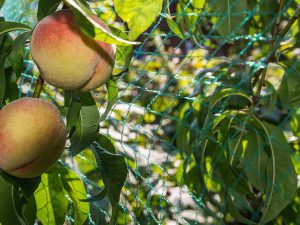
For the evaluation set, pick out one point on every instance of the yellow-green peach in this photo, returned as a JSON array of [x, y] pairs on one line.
[[32, 137], [66, 57]]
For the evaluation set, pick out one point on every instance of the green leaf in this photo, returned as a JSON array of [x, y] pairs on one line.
[[270, 11], [47, 7], [26, 186], [72, 108], [17, 55], [188, 15], [138, 14], [124, 53], [87, 126], [85, 17], [236, 149], [13, 208], [75, 190], [98, 197], [1, 3], [5, 46], [2, 82], [113, 169], [281, 185], [221, 94], [186, 132], [198, 4], [229, 15], [269, 97], [210, 124], [192, 180], [11, 85], [247, 155], [174, 27], [112, 90], [232, 208], [295, 121], [225, 174], [6, 27], [289, 93], [255, 160], [51, 201]]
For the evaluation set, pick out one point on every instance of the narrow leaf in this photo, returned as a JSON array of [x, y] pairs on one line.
[[113, 169], [255, 160], [47, 7], [87, 126], [6, 27], [112, 90], [1, 3], [99, 33], [2, 82], [75, 189], [232, 208], [124, 53], [11, 206], [98, 197], [282, 179], [17, 54]]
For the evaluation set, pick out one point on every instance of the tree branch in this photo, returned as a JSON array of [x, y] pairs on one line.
[[274, 44]]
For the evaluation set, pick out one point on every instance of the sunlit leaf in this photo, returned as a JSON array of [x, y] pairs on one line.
[[138, 14], [87, 18], [52, 203], [112, 91], [198, 3], [124, 53], [76, 191]]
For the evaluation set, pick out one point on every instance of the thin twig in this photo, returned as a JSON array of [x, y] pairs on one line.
[[38, 87], [273, 47]]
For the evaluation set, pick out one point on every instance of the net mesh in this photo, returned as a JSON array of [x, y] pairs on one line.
[[164, 77]]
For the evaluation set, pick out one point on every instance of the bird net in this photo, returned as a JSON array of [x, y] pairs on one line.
[[207, 115]]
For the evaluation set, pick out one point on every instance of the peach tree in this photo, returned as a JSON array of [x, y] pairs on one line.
[[233, 118]]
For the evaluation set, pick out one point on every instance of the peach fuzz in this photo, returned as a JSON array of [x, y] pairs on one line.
[[66, 57], [32, 137]]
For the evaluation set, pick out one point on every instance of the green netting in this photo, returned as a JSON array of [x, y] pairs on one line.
[[154, 122]]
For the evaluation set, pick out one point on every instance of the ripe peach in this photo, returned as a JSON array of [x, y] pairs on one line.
[[32, 137], [66, 57]]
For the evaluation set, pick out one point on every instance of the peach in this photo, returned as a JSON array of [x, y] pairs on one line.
[[66, 57], [32, 137]]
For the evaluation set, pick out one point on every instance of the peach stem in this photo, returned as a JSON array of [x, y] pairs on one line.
[[38, 87]]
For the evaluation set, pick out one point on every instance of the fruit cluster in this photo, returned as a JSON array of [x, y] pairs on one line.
[[32, 133]]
